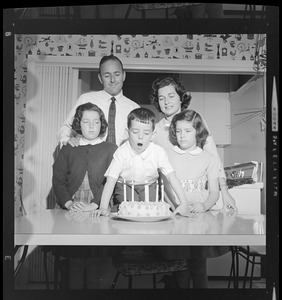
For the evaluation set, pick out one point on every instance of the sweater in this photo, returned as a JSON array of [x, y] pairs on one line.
[[71, 165]]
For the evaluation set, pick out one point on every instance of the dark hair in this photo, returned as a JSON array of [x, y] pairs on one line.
[[189, 115], [185, 97], [106, 58], [142, 114], [78, 116]]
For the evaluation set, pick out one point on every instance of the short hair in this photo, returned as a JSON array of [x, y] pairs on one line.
[[106, 58], [143, 114], [192, 116], [161, 82], [79, 113]]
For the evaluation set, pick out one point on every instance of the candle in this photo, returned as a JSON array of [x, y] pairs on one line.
[[124, 190], [162, 187], [157, 191], [146, 191], [132, 191]]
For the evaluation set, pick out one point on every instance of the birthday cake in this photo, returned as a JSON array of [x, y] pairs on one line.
[[144, 209], [157, 208]]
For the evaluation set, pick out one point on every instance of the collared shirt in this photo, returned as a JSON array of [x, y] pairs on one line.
[[102, 99], [127, 165]]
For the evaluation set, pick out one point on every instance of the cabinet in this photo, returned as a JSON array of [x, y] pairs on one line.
[[248, 122], [248, 197], [210, 97], [248, 132]]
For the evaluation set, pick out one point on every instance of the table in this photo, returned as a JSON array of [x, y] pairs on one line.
[[60, 227]]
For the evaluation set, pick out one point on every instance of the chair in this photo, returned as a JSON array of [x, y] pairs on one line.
[[132, 263], [60, 266], [249, 253], [250, 10], [63, 12], [22, 259], [51, 250]]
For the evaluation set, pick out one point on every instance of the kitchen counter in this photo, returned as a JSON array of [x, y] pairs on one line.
[[60, 227]]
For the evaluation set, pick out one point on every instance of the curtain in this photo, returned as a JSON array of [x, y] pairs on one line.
[[49, 102]]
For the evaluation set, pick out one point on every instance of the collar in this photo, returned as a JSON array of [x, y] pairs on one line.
[[118, 96], [94, 142], [143, 155], [196, 151]]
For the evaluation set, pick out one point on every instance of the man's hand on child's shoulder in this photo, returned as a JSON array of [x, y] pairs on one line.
[[74, 141]]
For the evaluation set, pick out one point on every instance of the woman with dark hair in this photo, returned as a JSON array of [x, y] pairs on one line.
[[184, 96]]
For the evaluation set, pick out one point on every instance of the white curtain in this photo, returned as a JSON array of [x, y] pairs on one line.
[[48, 103]]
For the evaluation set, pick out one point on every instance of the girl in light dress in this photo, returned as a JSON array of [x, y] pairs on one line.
[[170, 98], [194, 167], [197, 171]]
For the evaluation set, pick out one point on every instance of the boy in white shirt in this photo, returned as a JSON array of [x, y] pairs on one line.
[[138, 160]]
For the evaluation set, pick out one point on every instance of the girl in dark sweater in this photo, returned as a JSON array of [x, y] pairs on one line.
[[78, 181], [78, 172]]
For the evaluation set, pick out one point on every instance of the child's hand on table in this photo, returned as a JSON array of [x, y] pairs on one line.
[[229, 202], [81, 206], [100, 212], [189, 208], [181, 209]]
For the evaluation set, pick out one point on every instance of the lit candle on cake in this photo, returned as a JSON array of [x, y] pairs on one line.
[[157, 191], [146, 191], [162, 187], [124, 190], [132, 191]]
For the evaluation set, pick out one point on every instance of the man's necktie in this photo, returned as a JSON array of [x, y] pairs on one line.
[[111, 122]]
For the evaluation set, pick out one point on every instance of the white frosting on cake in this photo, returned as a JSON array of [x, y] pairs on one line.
[[144, 209]]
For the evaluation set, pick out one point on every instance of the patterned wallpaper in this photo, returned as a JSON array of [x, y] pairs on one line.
[[196, 47]]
